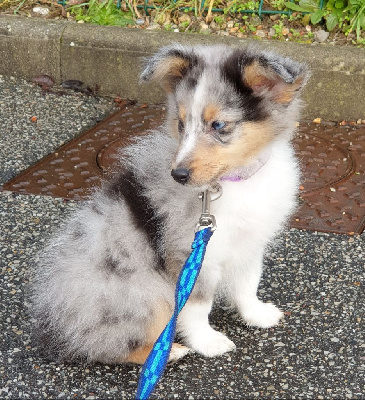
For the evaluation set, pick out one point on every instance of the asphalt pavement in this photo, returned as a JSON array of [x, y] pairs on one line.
[[317, 351]]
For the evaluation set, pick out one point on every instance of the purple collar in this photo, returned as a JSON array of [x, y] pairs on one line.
[[247, 172]]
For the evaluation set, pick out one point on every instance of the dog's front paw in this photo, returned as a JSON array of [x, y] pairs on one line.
[[210, 343], [262, 315]]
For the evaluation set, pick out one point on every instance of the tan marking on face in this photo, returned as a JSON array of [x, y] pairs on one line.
[[168, 70], [209, 162], [174, 163], [206, 164], [173, 121], [173, 130], [182, 113], [211, 112]]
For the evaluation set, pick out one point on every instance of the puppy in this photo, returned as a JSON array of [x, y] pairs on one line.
[[104, 289]]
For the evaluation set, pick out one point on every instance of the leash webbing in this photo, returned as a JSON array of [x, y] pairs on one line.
[[155, 364]]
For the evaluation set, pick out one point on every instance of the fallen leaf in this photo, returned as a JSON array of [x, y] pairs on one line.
[[44, 81], [72, 84]]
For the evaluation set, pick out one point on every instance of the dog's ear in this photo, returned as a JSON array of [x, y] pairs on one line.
[[169, 66], [277, 78]]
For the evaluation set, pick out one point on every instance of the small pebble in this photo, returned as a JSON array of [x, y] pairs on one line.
[[321, 36], [41, 10]]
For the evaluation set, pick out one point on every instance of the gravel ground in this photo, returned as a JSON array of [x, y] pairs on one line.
[[318, 351], [58, 120]]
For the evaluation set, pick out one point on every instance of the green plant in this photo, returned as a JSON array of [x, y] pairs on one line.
[[295, 17], [278, 4], [348, 15], [20, 5], [219, 19], [166, 8], [278, 29], [104, 13], [360, 42], [184, 24], [356, 8], [237, 6]]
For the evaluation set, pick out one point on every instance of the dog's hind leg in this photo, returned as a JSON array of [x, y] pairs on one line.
[[162, 316], [140, 355]]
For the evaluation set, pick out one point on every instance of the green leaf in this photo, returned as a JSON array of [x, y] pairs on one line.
[[339, 4], [309, 4], [356, 2], [362, 20], [330, 5], [317, 16], [331, 21], [338, 13], [296, 7]]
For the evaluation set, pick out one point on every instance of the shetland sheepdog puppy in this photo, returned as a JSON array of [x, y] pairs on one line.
[[104, 288]]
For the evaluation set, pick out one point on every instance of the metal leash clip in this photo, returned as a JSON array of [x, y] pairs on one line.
[[207, 219]]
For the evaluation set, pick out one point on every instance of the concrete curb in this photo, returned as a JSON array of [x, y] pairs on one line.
[[111, 57]]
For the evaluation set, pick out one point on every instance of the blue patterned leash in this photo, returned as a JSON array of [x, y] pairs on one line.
[[155, 364]]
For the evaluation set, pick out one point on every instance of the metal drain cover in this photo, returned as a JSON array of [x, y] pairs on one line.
[[332, 159], [333, 183], [73, 170]]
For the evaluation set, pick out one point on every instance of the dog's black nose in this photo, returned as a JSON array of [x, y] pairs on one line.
[[181, 175]]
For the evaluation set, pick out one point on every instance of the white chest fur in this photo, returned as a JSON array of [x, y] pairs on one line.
[[253, 210]]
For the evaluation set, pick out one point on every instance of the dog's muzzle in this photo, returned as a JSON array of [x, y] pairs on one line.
[[181, 175]]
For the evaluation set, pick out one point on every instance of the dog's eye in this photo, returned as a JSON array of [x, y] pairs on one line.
[[218, 125], [180, 125]]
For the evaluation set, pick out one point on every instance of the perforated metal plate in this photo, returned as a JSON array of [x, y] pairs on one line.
[[333, 183], [76, 167], [332, 159]]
